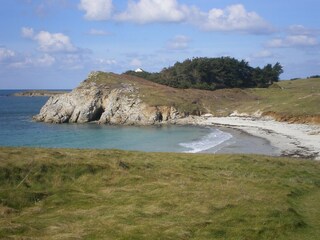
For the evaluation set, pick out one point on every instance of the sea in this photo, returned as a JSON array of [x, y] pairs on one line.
[[18, 129]]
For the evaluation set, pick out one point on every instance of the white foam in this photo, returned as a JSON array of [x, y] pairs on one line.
[[214, 138]]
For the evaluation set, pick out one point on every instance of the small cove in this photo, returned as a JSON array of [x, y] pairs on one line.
[[18, 129]]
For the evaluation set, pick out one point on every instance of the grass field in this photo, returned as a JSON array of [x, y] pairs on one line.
[[99, 194]]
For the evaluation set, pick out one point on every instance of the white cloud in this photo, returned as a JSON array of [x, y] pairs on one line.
[[302, 30], [72, 61], [27, 32], [179, 42], [96, 9], [54, 42], [50, 42], [6, 54], [106, 61], [22, 63], [297, 36], [233, 18], [46, 60], [146, 11], [293, 41], [262, 54], [30, 61], [98, 32]]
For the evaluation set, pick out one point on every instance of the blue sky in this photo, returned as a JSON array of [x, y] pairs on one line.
[[56, 43]]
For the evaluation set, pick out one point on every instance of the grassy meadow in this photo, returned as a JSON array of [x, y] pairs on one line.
[[112, 194]]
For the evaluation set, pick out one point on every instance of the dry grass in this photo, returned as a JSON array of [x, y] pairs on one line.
[[96, 194]]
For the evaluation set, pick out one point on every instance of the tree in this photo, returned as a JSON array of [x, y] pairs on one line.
[[214, 73]]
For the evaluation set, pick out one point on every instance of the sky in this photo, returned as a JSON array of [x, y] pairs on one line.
[[55, 44]]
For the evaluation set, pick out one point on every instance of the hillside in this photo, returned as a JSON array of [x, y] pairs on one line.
[[296, 100], [99, 194], [126, 99]]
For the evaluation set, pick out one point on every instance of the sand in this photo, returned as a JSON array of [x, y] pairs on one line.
[[242, 142], [295, 140]]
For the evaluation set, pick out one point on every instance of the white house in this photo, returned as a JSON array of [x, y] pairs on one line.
[[139, 70]]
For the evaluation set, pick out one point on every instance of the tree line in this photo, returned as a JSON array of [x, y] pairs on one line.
[[214, 73]]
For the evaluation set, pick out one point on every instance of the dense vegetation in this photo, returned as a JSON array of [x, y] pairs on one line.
[[214, 73], [98, 194]]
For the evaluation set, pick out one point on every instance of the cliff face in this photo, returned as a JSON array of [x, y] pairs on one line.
[[115, 103]]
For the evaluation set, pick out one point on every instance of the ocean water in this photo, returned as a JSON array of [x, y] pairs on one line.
[[18, 129]]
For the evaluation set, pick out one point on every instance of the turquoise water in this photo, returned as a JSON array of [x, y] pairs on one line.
[[18, 129]]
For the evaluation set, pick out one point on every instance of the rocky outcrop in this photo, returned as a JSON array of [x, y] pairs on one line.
[[105, 104]]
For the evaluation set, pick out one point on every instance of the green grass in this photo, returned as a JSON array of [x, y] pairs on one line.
[[294, 97], [100, 194]]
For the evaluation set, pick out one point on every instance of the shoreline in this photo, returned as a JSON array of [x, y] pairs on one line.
[[38, 93], [292, 140], [243, 142]]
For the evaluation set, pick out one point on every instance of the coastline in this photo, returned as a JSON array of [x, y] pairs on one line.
[[294, 140], [244, 143], [39, 93]]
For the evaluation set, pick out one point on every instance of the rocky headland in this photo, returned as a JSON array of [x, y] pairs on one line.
[[107, 102], [123, 99]]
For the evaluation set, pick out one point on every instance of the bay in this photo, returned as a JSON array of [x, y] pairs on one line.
[[18, 129]]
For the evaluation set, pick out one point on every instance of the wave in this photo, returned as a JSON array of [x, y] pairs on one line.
[[214, 138]]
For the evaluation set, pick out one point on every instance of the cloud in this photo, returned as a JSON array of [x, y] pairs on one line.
[[6, 54], [50, 42], [146, 11], [179, 42], [27, 32], [297, 36], [293, 41], [54, 42], [45, 60], [302, 30], [102, 61], [96, 9], [32, 61], [233, 18], [45, 7], [262, 54], [97, 32], [73, 61]]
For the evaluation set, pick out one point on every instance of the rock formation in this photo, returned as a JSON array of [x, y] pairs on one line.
[[95, 100]]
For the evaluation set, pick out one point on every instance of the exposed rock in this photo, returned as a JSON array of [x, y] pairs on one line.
[[96, 101]]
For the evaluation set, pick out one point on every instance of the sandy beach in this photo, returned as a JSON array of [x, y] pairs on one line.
[[295, 140], [244, 143]]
